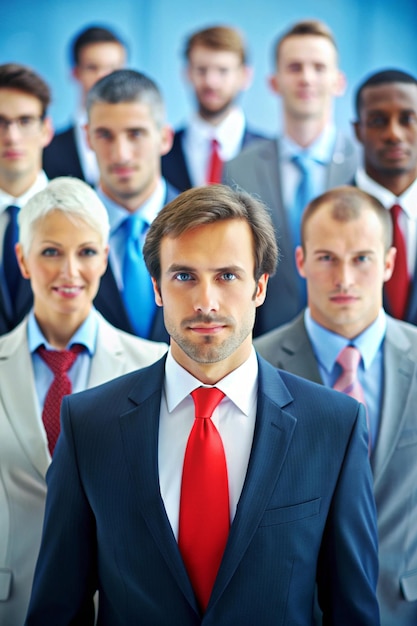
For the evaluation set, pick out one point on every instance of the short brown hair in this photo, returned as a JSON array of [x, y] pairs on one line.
[[218, 38], [15, 76], [306, 27], [205, 205], [347, 204]]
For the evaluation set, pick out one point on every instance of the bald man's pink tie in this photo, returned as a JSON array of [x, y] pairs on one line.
[[348, 382], [204, 505]]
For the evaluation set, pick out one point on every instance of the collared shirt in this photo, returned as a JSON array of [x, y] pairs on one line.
[[234, 418], [6, 200], [197, 142], [86, 155], [320, 151], [117, 215], [407, 219], [326, 347], [78, 374]]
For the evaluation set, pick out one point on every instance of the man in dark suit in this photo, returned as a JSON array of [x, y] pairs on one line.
[[291, 514], [95, 52], [128, 133], [309, 156], [218, 71], [25, 129], [346, 256], [386, 126]]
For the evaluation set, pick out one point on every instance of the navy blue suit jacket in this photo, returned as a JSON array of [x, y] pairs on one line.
[[305, 517], [60, 157], [174, 167], [110, 303]]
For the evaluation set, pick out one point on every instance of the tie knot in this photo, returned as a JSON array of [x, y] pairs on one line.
[[395, 211], [12, 210], [206, 399], [349, 359], [303, 162], [134, 226], [59, 361]]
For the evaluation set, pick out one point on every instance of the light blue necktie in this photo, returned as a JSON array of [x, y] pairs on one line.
[[138, 294], [303, 195]]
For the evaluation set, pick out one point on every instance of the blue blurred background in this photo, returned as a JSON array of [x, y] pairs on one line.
[[371, 35]]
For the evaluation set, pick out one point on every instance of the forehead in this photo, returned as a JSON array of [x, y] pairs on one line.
[[14, 102], [362, 232], [220, 244], [391, 95], [102, 53], [120, 116], [201, 55], [307, 48], [61, 225]]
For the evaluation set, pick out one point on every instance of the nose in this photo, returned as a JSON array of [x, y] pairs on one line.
[[69, 266], [344, 276], [12, 132], [393, 131], [121, 149], [206, 298]]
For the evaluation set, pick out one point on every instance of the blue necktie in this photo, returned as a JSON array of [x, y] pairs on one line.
[[303, 195], [10, 267], [138, 294]]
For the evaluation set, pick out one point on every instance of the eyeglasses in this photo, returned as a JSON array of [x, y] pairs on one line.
[[26, 124]]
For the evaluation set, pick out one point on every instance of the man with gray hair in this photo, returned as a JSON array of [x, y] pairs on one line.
[[128, 133]]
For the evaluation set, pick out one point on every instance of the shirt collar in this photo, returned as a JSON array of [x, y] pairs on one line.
[[321, 150], [85, 335], [148, 210], [327, 345], [240, 386], [228, 133], [407, 200], [39, 184]]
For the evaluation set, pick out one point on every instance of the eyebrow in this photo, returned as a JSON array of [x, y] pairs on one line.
[[176, 267]]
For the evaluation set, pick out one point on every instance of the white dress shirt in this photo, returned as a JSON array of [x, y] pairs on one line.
[[197, 142], [234, 418], [408, 217]]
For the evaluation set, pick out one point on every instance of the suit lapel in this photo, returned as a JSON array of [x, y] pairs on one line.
[[399, 372], [139, 428], [344, 162], [296, 353], [273, 433], [21, 406]]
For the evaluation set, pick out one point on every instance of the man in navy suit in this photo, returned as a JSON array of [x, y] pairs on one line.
[[300, 519], [218, 71], [128, 133], [95, 52]]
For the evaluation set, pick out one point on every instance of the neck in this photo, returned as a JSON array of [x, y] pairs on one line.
[[304, 131], [131, 202], [59, 331], [17, 186], [396, 183], [214, 118]]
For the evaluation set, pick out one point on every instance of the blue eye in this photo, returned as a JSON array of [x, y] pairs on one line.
[[88, 252], [183, 276], [50, 252]]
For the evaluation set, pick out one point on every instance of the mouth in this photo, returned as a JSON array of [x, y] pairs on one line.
[[344, 299], [68, 291]]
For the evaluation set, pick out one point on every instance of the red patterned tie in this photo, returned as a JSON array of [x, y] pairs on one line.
[[215, 168], [59, 361], [397, 287], [348, 381], [204, 504]]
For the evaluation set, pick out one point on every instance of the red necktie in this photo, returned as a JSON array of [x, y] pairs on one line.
[[215, 169], [348, 381], [204, 504], [397, 287], [59, 361]]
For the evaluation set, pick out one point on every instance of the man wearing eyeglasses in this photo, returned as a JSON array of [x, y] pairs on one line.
[[25, 130]]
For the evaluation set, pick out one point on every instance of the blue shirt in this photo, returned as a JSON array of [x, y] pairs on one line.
[[117, 215], [320, 151], [79, 373], [326, 347]]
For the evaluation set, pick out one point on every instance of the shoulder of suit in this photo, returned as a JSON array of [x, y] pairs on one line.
[[151, 350], [13, 339], [402, 335]]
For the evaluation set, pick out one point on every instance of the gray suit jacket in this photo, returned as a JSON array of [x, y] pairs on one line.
[[24, 455], [256, 169], [394, 458]]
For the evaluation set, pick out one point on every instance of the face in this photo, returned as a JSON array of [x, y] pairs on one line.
[[307, 77], [217, 77], [387, 129], [209, 296], [345, 265], [128, 146], [96, 60], [64, 265], [22, 142]]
